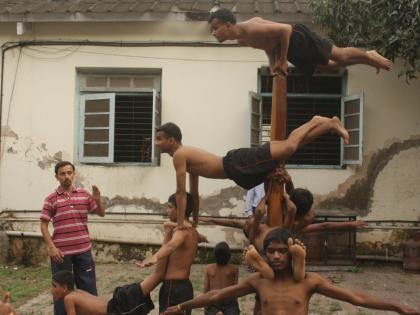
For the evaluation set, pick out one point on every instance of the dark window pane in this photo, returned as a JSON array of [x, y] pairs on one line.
[[351, 153], [352, 107], [95, 81], [94, 106], [96, 135], [325, 150], [97, 120], [96, 150], [351, 122], [133, 128]]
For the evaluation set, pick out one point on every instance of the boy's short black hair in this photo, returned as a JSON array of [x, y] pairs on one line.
[[278, 235], [61, 164], [303, 199], [171, 130], [64, 277], [222, 253], [189, 206], [223, 15]]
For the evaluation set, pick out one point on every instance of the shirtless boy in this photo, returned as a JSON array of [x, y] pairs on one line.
[[247, 167], [284, 295], [218, 276], [299, 216], [180, 251], [304, 48], [135, 297]]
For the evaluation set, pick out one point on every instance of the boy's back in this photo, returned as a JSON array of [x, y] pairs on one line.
[[219, 277]]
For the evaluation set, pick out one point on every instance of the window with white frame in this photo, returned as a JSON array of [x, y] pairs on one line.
[[307, 97], [118, 117]]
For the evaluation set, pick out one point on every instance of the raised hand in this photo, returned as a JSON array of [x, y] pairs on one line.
[[96, 194]]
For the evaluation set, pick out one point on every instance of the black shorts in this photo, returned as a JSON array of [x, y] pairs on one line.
[[129, 300], [308, 49], [230, 307], [174, 292], [249, 167]]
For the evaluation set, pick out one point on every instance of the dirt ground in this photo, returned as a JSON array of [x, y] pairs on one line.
[[385, 282]]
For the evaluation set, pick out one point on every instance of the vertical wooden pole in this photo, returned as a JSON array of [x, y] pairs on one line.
[[278, 132]]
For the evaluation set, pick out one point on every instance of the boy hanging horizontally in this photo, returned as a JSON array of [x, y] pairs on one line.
[[305, 49]]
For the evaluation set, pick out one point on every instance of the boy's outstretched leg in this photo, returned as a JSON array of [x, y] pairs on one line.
[[297, 251], [308, 132], [254, 260], [348, 56], [329, 125]]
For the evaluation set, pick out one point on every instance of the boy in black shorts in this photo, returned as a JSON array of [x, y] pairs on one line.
[[131, 299], [247, 167], [307, 50]]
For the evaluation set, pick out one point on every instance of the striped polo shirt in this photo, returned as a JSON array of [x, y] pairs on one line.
[[69, 213]]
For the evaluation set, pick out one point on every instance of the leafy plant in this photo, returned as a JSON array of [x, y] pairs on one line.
[[390, 27]]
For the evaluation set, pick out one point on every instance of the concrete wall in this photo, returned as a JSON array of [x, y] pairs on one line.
[[204, 90]]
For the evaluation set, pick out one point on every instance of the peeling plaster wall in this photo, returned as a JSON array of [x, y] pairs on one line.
[[41, 126]]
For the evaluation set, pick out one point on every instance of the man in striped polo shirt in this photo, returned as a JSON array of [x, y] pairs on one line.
[[70, 248]]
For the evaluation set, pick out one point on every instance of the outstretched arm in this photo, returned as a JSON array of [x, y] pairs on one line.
[[317, 227], [180, 165], [157, 276], [196, 199], [238, 224], [166, 249], [259, 214], [290, 212], [359, 298], [212, 297]]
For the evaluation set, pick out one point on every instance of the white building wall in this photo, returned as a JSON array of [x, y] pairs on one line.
[[205, 91]]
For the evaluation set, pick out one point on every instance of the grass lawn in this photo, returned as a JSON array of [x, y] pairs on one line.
[[24, 282]]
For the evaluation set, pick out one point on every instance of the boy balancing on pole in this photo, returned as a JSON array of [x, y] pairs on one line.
[[248, 167], [304, 48]]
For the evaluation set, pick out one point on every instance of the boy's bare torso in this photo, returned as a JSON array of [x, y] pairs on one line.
[[180, 261], [88, 304], [256, 41], [221, 276], [284, 296], [200, 162]]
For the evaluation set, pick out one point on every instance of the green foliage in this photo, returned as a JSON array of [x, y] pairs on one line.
[[390, 27]]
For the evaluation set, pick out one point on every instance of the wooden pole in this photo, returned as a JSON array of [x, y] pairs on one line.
[[278, 132]]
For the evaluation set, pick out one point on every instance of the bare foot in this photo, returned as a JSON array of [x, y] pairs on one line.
[[7, 297], [379, 61], [298, 252], [253, 259], [339, 129]]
